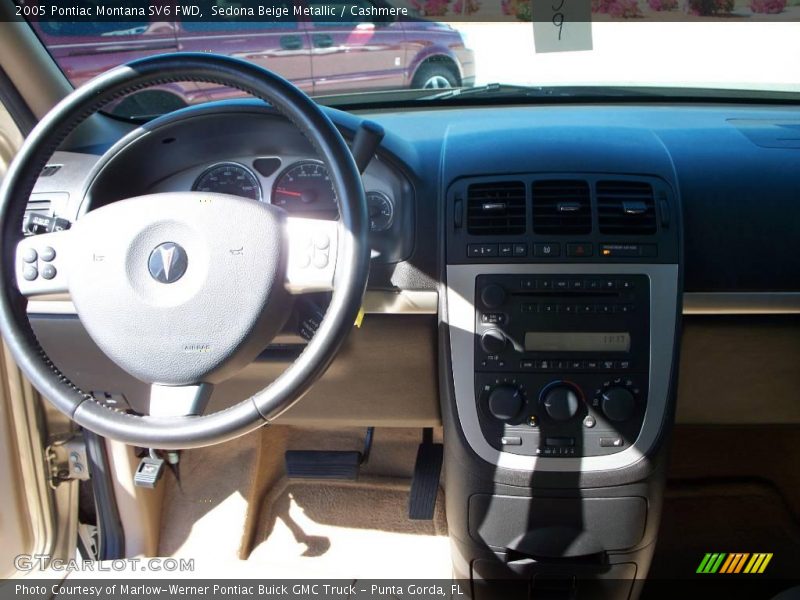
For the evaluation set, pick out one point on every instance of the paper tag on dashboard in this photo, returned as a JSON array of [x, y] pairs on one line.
[[562, 25]]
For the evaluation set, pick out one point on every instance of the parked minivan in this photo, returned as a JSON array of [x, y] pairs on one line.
[[319, 56]]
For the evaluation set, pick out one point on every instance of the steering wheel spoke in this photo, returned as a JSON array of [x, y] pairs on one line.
[[179, 400], [311, 263], [41, 263]]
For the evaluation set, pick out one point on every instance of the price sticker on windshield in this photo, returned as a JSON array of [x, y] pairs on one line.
[[562, 25]]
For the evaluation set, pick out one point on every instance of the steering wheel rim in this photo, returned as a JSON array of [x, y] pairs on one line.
[[352, 255]]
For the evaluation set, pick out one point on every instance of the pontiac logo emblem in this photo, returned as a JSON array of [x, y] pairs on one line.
[[168, 262]]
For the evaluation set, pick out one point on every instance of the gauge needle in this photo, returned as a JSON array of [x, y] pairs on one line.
[[288, 193]]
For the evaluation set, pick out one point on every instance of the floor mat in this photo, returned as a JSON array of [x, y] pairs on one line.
[[724, 516], [351, 530]]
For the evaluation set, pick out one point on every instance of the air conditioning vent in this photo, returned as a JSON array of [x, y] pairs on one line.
[[626, 207], [561, 207], [496, 208], [50, 170], [40, 206]]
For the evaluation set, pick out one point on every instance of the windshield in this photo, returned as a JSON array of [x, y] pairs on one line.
[[368, 51]]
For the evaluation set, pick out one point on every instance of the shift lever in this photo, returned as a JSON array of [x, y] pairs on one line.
[[366, 141]]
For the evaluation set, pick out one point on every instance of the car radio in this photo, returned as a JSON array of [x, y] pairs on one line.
[[561, 362]]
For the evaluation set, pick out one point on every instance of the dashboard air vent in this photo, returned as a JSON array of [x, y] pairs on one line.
[[626, 207], [496, 208], [50, 170], [561, 206], [39, 206]]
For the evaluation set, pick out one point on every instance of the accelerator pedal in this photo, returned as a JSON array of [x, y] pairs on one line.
[[327, 464], [425, 485]]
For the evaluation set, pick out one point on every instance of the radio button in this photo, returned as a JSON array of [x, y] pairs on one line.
[[544, 284], [609, 284], [493, 341], [561, 284], [493, 318], [493, 296]]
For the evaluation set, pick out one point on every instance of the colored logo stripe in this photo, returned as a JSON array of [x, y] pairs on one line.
[[737, 562]]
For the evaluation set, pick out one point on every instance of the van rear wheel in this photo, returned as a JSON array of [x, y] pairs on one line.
[[434, 76]]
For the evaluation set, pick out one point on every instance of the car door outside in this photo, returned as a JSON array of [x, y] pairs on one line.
[[362, 54]]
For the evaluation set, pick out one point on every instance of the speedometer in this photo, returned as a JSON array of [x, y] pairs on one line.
[[229, 178], [305, 187]]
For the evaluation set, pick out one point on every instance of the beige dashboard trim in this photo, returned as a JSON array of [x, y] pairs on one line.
[[411, 302], [741, 303]]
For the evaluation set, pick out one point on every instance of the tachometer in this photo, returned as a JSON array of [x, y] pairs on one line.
[[229, 178], [381, 211], [305, 187]]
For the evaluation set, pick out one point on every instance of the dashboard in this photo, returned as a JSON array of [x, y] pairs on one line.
[[535, 270]]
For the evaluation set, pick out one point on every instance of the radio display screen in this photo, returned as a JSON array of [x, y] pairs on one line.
[[572, 341]]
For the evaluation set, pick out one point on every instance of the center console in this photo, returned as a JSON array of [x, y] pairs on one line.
[[561, 314]]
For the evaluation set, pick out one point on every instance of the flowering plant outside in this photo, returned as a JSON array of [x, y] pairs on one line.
[[625, 9], [662, 5], [770, 7], [706, 8]]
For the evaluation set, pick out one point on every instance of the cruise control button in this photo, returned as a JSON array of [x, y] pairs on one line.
[[30, 273], [29, 255], [47, 254], [48, 271]]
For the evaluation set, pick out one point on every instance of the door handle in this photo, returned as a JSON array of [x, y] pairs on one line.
[[322, 40], [291, 42]]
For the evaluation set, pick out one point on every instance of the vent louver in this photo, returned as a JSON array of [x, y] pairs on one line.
[[496, 208], [50, 170], [38, 206], [561, 207], [626, 207]]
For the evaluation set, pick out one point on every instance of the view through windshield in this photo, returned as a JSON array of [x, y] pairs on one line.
[[344, 47]]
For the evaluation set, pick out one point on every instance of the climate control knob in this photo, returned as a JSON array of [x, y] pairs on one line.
[[618, 404], [505, 402], [493, 341], [561, 402]]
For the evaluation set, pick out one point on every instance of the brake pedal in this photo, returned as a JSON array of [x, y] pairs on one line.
[[425, 484], [327, 464]]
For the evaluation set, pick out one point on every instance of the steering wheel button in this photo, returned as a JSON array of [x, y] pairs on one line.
[[321, 260], [322, 241], [49, 271], [29, 255], [30, 273], [47, 254]]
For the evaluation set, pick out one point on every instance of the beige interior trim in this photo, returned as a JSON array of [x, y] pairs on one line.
[[139, 508], [741, 303], [28, 65], [26, 492], [411, 302]]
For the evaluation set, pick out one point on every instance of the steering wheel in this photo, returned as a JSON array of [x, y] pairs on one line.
[[181, 290]]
